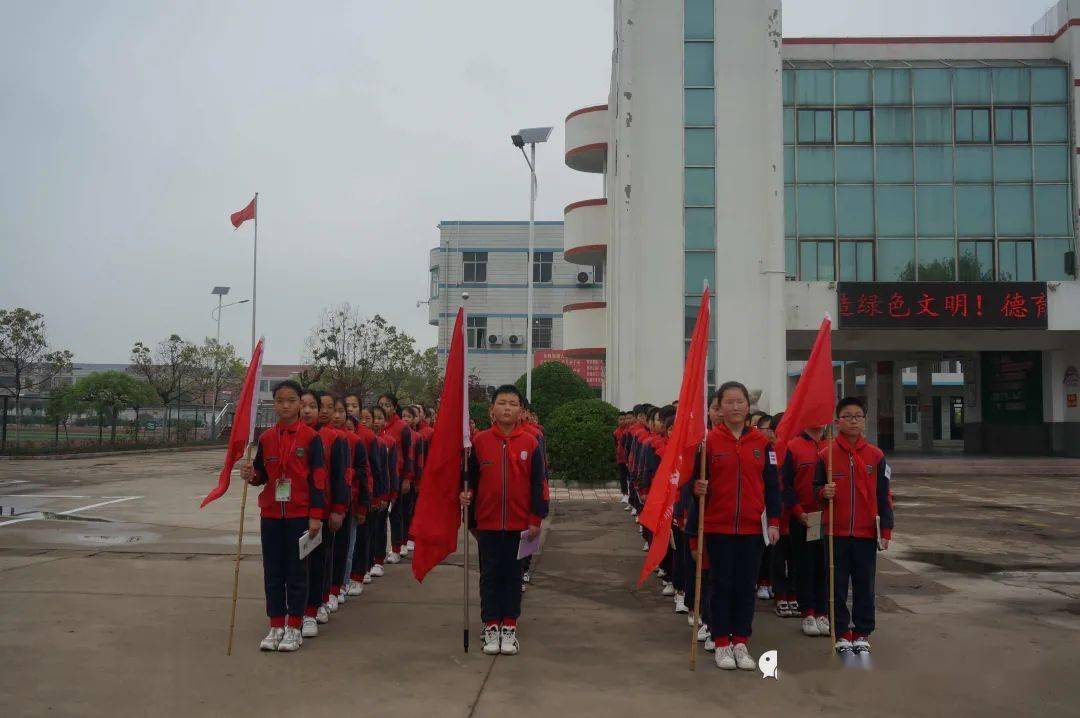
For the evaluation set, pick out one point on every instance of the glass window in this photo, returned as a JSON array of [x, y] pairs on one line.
[[853, 127], [816, 261], [977, 261], [895, 164], [264, 385], [1051, 259], [853, 87], [892, 125], [698, 19], [598, 273], [789, 164], [972, 86], [541, 266], [933, 87], [1012, 164], [434, 290], [700, 266], [700, 227], [935, 211], [974, 164], [815, 127], [789, 87], [817, 215], [815, 164], [698, 64], [1015, 262], [974, 211], [1011, 125], [474, 266], [855, 210], [700, 146], [791, 259], [1011, 84], [973, 124], [892, 87], [1052, 164], [854, 164], [1049, 84], [789, 211], [895, 211], [1052, 210], [933, 124], [789, 126], [541, 333], [937, 260], [476, 332], [895, 260], [934, 164], [856, 261], [1012, 205], [699, 108], [814, 87], [1049, 124], [700, 186]]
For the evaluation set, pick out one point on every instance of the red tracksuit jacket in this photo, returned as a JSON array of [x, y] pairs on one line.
[[403, 437], [336, 449], [295, 452], [743, 482], [862, 477], [620, 450], [797, 475], [366, 466], [506, 476]]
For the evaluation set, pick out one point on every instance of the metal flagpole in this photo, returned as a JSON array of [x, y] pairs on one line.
[[529, 276], [255, 274], [465, 564], [832, 564]]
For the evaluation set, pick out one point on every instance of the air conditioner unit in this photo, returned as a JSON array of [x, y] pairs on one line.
[[585, 278], [514, 339], [494, 340]]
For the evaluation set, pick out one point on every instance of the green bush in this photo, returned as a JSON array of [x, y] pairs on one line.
[[480, 412], [579, 440], [553, 385]]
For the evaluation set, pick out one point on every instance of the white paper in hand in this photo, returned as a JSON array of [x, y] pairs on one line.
[[309, 542], [813, 526], [527, 547]]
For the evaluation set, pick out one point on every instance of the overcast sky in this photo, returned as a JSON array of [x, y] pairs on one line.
[[130, 130]]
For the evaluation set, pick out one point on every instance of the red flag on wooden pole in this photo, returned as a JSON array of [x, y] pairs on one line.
[[813, 400]]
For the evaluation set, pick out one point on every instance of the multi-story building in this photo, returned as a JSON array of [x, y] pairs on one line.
[[919, 189], [489, 261]]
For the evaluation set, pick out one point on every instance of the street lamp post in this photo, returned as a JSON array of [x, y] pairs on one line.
[[220, 292], [531, 136]]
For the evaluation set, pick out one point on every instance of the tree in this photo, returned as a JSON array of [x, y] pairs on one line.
[[349, 353], [61, 404], [172, 370], [398, 360], [220, 370], [25, 357], [110, 392], [580, 442], [554, 384], [424, 383]]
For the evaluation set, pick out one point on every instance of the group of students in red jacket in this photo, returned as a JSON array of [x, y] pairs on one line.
[[759, 510], [340, 472]]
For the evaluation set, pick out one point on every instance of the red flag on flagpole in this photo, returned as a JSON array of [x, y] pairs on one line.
[[243, 428], [677, 465], [238, 218], [437, 517], [814, 397]]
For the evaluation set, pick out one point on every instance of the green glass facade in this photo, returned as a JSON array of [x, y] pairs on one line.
[[928, 171]]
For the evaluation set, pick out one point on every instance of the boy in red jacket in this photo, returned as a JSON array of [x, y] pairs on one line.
[[862, 521], [506, 477]]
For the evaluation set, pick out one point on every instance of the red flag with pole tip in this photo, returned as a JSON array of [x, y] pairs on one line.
[[813, 401], [437, 517], [238, 218], [677, 465], [243, 428]]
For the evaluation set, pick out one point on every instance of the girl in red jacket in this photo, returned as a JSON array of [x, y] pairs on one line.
[[289, 464], [740, 486]]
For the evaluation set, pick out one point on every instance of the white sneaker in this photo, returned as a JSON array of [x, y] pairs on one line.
[[404, 552], [291, 641], [690, 619], [710, 644], [625, 499], [702, 633], [355, 588], [810, 627], [743, 659], [343, 596], [509, 645], [680, 603], [410, 546], [645, 546], [633, 511], [526, 577], [861, 645], [309, 628], [763, 593], [782, 609], [725, 658], [793, 609], [627, 507], [668, 589], [393, 558], [823, 625], [377, 571], [491, 640], [322, 615], [270, 643], [661, 573], [842, 646], [332, 603], [367, 577]]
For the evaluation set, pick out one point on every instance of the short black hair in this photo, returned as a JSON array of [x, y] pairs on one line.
[[727, 385], [638, 408], [393, 400], [762, 418], [313, 392], [668, 412], [288, 384], [850, 401], [508, 389], [652, 414], [777, 418]]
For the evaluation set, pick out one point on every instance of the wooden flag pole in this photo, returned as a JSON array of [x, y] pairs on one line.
[[465, 564], [239, 549], [697, 568], [832, 564]]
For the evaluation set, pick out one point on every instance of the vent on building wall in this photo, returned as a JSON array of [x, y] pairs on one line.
[[584, 278], [494, 340], [514, 339]]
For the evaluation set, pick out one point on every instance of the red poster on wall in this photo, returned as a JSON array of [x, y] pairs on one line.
[[591, 370]]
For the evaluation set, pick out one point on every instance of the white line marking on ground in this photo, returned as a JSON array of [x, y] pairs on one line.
[[36, 516], [49, 496]]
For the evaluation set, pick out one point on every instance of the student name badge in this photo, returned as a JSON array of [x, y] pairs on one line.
[[813, 526], [283, 489]]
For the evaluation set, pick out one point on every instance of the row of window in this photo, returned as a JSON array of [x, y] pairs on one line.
[[926, 86], [926, 125], [477, 332], [928, 210], [474, 268], [926, 260]]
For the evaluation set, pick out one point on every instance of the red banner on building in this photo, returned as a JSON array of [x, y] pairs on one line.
[[942, 305], [591, 370]]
